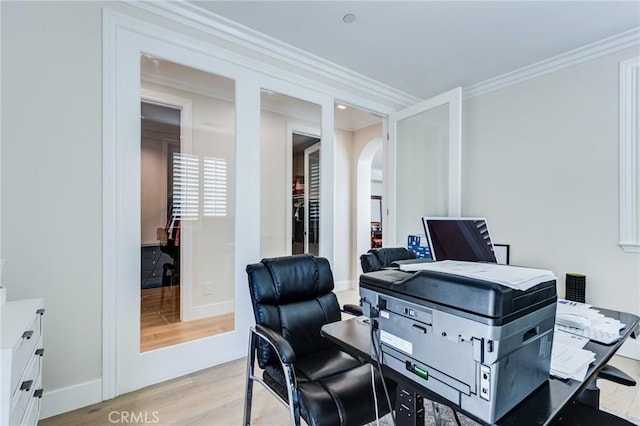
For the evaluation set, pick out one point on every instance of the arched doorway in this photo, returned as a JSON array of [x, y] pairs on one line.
[[363, 196]]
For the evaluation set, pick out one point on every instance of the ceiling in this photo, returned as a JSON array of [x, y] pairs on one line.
[[424, 48]]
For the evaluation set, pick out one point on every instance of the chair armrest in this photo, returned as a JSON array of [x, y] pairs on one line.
[[355, 310], [609, 372], [279, 343]]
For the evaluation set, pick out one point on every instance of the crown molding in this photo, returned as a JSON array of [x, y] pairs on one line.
[[195, 17], [247, 38], [591, 51], [363, 123]]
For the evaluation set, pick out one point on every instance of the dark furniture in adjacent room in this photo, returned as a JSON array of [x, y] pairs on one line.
[[292, 299], [152, 260]]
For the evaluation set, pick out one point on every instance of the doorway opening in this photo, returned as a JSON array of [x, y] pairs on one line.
[[371, 221], [160, 229], [305, 194], [377, 188], [187, 148]]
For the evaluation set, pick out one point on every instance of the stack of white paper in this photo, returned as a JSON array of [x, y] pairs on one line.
[[607, 325], [582, 315], [568, 362], [569, 339], [568, 359], [516, 277]]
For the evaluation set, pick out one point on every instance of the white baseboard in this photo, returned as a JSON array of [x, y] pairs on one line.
[[344, 285], [630, 349], [62, 400], [211, 310]]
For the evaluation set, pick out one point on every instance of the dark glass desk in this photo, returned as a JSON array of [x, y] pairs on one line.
[[540, 408]]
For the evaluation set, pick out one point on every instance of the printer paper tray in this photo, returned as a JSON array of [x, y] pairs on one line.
[[439, 382]]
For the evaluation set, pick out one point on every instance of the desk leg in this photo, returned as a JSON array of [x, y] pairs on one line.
[[591, 395], [409, 408]]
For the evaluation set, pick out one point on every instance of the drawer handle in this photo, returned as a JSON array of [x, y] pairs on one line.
[[27, 334], [38, 393], [40, 352], [26, 385], [419, 328], [40, 311]]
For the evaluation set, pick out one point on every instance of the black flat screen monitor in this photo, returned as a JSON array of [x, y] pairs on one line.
[[459, 238]]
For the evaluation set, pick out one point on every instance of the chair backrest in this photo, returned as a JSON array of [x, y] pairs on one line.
[[293, 295], [379, 258]]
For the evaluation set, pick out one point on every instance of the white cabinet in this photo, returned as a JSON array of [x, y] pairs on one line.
[[21, 351]]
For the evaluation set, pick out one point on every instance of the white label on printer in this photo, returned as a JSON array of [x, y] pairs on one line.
[[384, 314], [396, 342]]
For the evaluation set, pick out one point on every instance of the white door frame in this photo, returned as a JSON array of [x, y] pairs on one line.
[[452, 99], [125, 39], [186, 142]]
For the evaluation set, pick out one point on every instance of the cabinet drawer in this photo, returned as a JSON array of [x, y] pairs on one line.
[[151, 272], [148, 267], [33, 411], [151, 252], [24, 349], [26, 389]]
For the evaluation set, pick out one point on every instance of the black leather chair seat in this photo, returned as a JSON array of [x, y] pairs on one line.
[[326, 363], [321, 399], [320, 365]]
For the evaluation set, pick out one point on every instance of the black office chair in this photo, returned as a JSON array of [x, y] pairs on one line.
[[170, 270], [376, 259], [292, 299]]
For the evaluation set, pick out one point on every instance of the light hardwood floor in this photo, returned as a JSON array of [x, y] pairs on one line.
[[215, 397], [160, 323]]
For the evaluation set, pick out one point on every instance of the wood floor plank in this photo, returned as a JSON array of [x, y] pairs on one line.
[[160, 323], [211, 397]]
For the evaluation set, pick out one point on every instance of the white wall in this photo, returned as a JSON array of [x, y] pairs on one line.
[[51, 177], [540, 161], [422, 171], [154, 193], [342, 267], [376, 187]]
